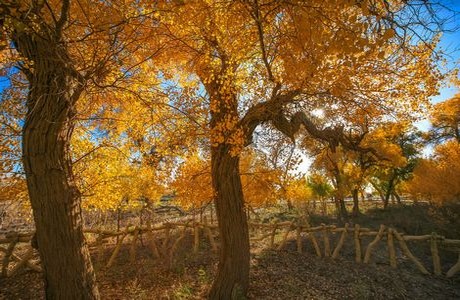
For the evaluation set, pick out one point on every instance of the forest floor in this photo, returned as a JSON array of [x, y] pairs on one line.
[[283, 274]]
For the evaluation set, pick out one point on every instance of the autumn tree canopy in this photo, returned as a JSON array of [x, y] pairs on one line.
[[120, 95]]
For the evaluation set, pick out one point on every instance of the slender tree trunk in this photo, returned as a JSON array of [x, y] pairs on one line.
[[232, 279], [337, 206], [363, 197], [343, 208], [54, 88], [388, 193], [398, 198], [339, 198], [355, 194], [324, 205], [289, 204], [382, 196]]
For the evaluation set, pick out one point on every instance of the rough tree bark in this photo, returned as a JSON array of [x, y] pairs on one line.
[[54, 88], [232, 280]]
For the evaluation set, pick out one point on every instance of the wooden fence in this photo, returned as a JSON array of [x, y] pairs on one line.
[[163, 241]]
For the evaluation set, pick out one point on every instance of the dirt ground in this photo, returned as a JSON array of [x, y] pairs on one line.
[[283, 274]]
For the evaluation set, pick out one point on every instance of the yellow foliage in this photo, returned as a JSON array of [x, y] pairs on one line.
[[298, 192], [436, 179]]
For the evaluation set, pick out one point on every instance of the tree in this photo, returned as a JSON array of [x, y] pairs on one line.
[[299, 193], [334, 163], [320, 187], [434, 178], [268, 62], [261, 63], [400, 146], [12, 187], [445, 120], [65, 50]]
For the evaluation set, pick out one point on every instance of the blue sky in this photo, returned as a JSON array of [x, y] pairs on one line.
[[450, 44]]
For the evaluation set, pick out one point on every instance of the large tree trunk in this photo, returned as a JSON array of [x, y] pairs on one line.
[[232, 279], [53, 90]]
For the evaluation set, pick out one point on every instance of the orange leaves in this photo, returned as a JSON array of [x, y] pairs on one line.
[[260, 182], [192, 182], [298, 191], [436, 179], [389, 33], [445, 119], [165, 78], [384, 140]]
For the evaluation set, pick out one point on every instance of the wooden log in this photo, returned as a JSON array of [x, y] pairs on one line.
[[23, 262], [6, 258], [339, 246], [130, 229], [435, 254], [212, 242], [408, 253], [258, 239], [19, 239], [99, 246], [285, 237], [371, 246], [152, 242], [132, 249], [357, 240], [116, 250], [327, 244], [361, 230], [391, 248], [14, 234], [283, 224], [369, 233], [450, 242], [196, 238], [175, 245], [272, 240], [16, 258], [452, 271], [313, 240], [417, 237], [299, 239], [318, 228], [164, 246]]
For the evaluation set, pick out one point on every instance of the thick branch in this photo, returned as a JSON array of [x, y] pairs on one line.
[[265, 111], [63, 18], [334, 136]]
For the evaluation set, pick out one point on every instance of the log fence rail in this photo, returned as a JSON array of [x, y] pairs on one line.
[[301, 231]]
